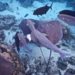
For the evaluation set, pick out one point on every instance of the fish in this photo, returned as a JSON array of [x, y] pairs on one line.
[[68, 16], [26, 15], [17, 41], [42, 39], [42, 10]]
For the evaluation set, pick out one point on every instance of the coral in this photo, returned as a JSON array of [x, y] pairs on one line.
[[70, 71], [38, 67], [62, 64], [10, 63], [3, 6], [2, 35], [6, 21], [72, 60]]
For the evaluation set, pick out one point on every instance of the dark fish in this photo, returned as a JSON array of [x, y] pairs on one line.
[[26, 15], [42, 10], [68, 12], [17, 42]]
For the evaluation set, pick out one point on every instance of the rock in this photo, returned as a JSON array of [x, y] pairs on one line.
[[6, 68], [62, 64], [71, 60], [6, 21], [70, 71], [3, 6], [2, 35], [54, 71], [10, 64]]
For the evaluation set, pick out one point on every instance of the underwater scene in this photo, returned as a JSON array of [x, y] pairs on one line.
[[37, 37]]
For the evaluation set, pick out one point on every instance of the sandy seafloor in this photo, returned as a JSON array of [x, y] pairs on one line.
[[21, 12]]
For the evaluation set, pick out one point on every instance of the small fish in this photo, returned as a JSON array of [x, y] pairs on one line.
[[42, 10], [17, 41], [26, 15]]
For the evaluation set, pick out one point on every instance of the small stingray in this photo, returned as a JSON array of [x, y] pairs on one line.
[[43, 40], [67, 16], [68, 12]]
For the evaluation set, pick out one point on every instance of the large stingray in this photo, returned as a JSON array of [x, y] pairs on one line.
[[42, 39], [53, 29]]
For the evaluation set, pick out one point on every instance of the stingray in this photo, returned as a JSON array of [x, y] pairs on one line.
[[68, 12], [43, 40], [67, 16], [53, 29]]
